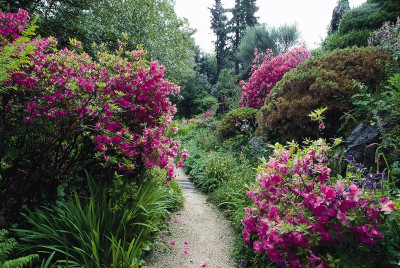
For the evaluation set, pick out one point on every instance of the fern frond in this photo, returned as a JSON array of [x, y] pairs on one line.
[[7, 245]]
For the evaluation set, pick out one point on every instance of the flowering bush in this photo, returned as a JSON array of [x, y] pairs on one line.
[[71, 113], [12, 25], [299, 207], [266, 75], [387, 37]]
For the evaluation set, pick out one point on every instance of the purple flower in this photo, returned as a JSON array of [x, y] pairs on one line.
[[359, 165]]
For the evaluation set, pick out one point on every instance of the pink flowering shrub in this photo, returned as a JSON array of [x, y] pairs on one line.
[[266, 75], [12, 25], [207, 114], [299, 208], [71, 112]]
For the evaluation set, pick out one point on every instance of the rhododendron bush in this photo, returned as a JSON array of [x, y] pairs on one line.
[[299, 207], [68, 112], [266, 75]]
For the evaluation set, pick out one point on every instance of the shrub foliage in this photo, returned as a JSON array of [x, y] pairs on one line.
[[235, 121], [326, 81]]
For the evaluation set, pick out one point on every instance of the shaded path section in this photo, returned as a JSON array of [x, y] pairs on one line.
[[208, 234]]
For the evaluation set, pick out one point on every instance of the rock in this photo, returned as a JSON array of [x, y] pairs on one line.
[[362, 144]]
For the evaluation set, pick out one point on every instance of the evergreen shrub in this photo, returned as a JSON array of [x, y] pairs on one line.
[[326, 81]]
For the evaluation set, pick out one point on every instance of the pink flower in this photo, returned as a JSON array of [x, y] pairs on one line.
[[112, 126], [186, 243], [388, 206], [176, 221], [266, 75], [354, 193], [344, 219], [314, 258], [172, 243], [328, 191], [170, 171], [167, 183], [321, 126], [186, 252], [203, 264]]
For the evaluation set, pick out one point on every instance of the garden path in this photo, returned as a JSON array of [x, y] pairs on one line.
[[202, 236]]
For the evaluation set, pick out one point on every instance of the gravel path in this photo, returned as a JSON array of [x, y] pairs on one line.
[[202, 236]]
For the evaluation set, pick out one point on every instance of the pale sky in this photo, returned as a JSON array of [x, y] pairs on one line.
[[312, 17]]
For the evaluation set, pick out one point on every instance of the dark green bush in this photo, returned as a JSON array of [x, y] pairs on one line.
[[360, 18], [370, 15], [357, 24], [358, 38], [235, 121], [326, 81]]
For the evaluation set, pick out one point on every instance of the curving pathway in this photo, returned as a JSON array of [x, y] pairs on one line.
[[202, 237]]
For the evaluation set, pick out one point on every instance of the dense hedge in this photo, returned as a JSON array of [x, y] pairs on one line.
[[358, 38], [370, 15], [326, 81]]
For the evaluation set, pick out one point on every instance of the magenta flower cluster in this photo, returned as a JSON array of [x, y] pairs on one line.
[[299, 206], [12, 24], [266, 75], [119, 100]]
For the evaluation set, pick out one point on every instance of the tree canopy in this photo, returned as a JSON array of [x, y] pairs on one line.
[[152, 24]]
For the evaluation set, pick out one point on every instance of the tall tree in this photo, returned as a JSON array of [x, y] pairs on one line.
[[249, 8], [285, 37], [243, 15], [338, 12], [219, 22]]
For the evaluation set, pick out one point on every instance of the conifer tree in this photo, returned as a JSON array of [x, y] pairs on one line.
[[243, 15], [341, 7], [219, 22]]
